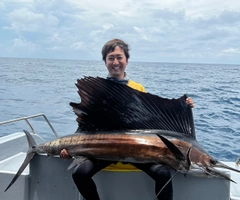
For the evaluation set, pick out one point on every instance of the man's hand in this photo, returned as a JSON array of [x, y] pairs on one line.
[[189, 102], [64, 154]]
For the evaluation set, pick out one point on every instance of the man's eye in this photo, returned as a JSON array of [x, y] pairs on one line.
[[110, 59]]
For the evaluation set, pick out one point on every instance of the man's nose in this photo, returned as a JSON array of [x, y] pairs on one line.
[[115, 61]]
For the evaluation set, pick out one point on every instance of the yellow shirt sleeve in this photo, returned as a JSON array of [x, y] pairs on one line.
[[136, 86], [119, 166]]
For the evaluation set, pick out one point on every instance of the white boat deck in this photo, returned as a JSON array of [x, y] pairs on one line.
[[11, 164]]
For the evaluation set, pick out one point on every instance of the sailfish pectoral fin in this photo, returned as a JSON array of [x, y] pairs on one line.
[[77, 160], [176, 152]]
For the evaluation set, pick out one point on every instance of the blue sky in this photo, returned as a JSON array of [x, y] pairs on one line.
[[189, 31]]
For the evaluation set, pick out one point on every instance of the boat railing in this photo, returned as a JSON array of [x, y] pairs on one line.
[[26, 119], [238, 161]]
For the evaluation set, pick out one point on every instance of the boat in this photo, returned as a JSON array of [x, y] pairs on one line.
[[48, 178]]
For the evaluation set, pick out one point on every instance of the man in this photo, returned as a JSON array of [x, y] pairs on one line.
[[115, 54]]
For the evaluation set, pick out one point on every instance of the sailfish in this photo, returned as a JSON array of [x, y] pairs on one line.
[[109, 106], [118, 123]]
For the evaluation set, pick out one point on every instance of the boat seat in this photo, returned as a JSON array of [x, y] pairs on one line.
[[51, 180], [15, 143], [12, 164]]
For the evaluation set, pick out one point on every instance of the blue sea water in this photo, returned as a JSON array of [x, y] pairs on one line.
[[32, 86]]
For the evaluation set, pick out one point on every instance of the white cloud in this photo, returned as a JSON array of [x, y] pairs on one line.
[[55, 38], [24, 19], [100, 6], [2, 6], [55, 48], [78, 46], [107, 26], [156, 30], [20, 43], [18, 1], [196, 9], [139, 30], [232, 50], [193, 9]]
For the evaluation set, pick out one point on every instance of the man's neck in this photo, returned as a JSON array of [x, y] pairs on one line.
[[124, 80], [119, 78]]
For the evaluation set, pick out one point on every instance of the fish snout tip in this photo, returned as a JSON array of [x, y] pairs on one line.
[[238, 162]]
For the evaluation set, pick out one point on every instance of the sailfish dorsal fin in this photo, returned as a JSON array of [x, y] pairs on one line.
[[106, 105]]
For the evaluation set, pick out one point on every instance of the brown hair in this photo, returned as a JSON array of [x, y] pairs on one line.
[[110, 46]]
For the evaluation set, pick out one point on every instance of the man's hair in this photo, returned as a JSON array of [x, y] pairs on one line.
[[110, 46]]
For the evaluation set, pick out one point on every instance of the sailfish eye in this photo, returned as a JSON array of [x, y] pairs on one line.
[[213, 162]]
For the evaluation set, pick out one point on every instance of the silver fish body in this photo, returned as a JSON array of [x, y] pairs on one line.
[[127, 147], [140, 146]]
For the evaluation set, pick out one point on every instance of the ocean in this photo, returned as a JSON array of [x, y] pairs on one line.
[[33, 86]]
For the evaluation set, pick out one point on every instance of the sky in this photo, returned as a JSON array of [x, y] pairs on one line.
[[178, 31]]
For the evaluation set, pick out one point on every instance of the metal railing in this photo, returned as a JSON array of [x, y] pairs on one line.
[[238, 161], [26, 119]]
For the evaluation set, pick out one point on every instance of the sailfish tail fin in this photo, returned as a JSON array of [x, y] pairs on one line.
[[29, 156]]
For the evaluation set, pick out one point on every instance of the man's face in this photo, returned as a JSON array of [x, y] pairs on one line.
[[116, 63]]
